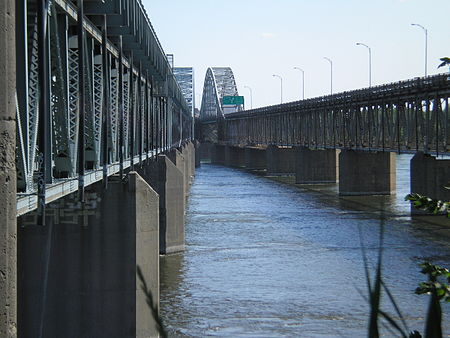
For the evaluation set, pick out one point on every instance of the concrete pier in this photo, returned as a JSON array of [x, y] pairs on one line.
[[218, 154], [280, 160], [182, 163], [197, 154], [429, 176], [8, 232], [191, 147], [234, 157], [77, 274], [316, 166], [366, 173], [255, 158], [206, 151], [168, 181]]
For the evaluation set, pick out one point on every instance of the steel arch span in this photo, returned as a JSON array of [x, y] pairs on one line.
[[219, 82]]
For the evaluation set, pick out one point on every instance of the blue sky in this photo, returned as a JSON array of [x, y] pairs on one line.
[[258, 38]]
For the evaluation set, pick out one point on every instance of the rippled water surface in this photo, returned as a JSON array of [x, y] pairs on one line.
[[267, 259]]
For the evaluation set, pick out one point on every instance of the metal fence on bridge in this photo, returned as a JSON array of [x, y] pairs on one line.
[[406, 116]]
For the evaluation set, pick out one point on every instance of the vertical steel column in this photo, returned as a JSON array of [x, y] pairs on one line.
[[332, 121], [139, 119], [121, 109], [316, 129], [369, 126], [357, 111], [44, 106], [324, 131], [398, 127], [132, 115], [159, 130], [147, 115], [21, 58], [106, 103], [436, 121], [417, 123], [152, 116], [81, 102], [157, 124], [446, 125], [165, 122], [427, 124]]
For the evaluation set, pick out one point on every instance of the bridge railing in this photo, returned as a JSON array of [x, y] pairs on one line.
[[406, 116], [95, 95]]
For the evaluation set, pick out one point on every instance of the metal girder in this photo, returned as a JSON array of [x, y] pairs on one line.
[[406, 116], [96, 101], [100, 7]]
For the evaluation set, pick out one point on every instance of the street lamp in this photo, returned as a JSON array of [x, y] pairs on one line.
[[426, 44], [281, 85], [251, 96], [303, 81], [331, 73], [370, 61]]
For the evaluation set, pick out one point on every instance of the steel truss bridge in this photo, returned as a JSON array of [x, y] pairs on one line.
[[219, 82], [96, 96], [406, 116]]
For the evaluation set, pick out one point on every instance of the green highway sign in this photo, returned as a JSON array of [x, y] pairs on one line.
[[232, 100]]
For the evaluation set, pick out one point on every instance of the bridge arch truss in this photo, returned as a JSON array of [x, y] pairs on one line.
[[219, 82]]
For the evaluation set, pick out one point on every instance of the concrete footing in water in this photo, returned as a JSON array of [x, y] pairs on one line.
[[78, 273], [316, 166], [235, 157], [255, 158], [280, 160], [430, 176], [366, 173]]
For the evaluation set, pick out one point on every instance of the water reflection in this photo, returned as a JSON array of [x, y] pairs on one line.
[[265, 259]]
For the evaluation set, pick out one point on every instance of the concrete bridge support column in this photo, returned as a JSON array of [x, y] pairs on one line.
[[429, 176], [234, 157], [205, 151], [316, 166], [191, 147], [168, 182], [255, 159], [218, 154], [180, 159], [366, 173], [77, 274], [197, 153], [8, 245], [280, 160]]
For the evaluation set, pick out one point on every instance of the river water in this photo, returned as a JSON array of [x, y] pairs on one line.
[[268, 259]]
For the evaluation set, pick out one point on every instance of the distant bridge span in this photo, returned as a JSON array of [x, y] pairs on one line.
[[406, 116]]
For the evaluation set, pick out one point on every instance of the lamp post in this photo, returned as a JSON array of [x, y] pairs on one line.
[[426, 44], [331, 74], [370, 61], [251, 96], [303, 81], [281, 85]]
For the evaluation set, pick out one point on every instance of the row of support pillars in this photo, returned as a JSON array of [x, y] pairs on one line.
[[357, 172], [77, 276]]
